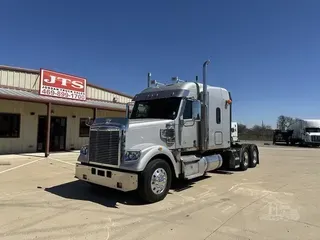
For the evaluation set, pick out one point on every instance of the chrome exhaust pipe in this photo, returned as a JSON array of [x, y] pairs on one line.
[[149, 79], [205, 126]]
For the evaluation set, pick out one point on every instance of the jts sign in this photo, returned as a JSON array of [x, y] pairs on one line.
[[62, 85]]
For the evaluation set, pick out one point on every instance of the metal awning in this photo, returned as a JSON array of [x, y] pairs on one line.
[[29, 96]]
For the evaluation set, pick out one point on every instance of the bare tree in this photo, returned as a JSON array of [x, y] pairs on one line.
[[242, 128], [284, 122]]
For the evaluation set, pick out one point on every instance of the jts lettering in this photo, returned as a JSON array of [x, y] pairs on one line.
[[64, 82]]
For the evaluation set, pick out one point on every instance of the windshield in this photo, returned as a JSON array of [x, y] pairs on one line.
[[166, 108], [312, 130]]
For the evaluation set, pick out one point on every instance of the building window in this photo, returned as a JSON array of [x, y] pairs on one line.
[[187, 114], [9, 125], [84, 129], [218, 115]]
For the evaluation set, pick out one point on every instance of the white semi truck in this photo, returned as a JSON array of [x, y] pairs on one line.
[[176, 131], [234, 132], [305, 132]]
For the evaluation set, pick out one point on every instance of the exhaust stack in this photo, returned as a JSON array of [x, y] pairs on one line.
[[149, 79], [204, 125]]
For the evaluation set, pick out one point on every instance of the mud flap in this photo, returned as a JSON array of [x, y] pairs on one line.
[[231, 159]]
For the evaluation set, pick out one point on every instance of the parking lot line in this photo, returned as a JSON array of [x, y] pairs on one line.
[[22, 165], [58, 160]]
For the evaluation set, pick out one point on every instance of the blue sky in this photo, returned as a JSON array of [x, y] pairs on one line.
[[267, 53]]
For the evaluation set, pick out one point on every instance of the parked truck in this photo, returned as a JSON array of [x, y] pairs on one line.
[[234, 132], [280, 136], [180, 130], [305, 132]]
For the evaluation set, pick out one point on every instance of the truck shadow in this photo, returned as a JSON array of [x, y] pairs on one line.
[[181, 185], [294, 146], [78, 190]]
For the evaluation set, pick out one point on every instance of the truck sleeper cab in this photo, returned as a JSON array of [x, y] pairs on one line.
[[176, 131]]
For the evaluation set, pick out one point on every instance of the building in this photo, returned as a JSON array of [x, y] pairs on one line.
[[28, 98]]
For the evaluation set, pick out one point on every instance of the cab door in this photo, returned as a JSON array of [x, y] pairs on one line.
[[188, 129]]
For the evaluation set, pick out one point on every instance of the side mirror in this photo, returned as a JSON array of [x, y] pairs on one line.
[[196, 110], [129, 107]]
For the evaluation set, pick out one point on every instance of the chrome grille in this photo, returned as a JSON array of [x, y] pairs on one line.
[[315, 138], [104, 146]]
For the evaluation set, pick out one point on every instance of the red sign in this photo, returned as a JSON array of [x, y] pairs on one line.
[[62, 85]]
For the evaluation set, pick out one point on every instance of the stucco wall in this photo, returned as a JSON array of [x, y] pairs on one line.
[[27, 142]]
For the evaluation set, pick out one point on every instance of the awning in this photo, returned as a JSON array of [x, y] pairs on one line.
[[20, 95]]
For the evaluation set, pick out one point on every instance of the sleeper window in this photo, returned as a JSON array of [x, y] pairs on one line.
[[218, 115]]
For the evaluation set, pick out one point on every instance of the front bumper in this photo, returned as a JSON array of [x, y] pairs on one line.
[[122, 181]]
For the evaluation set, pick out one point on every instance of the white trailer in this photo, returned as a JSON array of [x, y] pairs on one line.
[[234, 132], [305, 132]]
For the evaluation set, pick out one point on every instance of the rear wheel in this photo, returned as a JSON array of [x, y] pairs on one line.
[[244, 158], [155, 181], [253, 156], [292, 142]]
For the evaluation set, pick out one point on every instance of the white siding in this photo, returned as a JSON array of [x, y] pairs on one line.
[[99, 94], [106, 113], [27, 142], [19, 79], [30, 81]]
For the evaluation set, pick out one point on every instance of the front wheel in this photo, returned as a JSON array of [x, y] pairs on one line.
[[155, 181]]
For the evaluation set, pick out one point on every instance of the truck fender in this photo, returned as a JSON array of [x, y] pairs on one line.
[[161, 152], [150, 152]]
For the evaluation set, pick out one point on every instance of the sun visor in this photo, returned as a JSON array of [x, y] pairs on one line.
[[161, 94]]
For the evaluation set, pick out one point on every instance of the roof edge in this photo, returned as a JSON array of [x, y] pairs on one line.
[[27, 70], [55, 102], [37, 92]]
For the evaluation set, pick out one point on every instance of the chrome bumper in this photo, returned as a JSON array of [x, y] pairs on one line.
[[122, 181]]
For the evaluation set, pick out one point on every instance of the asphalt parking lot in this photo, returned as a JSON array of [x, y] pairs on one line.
[[40, 199]]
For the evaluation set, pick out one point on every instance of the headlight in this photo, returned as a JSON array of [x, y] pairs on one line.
[[131, 155], [84, 150]]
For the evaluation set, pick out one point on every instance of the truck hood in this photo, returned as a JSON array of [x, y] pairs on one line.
[[145, 131]]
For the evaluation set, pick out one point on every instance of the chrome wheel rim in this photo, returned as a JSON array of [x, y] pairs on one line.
[[159, 181], [255, 157], [245, 158]]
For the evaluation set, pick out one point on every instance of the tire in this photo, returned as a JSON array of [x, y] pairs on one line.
[[292, 142], [244, 158], [148, 190], [253, 156]]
